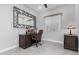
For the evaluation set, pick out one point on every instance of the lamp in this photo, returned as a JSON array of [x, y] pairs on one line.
[[70, 28]]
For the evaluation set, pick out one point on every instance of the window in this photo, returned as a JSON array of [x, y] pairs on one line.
[[53, 23]]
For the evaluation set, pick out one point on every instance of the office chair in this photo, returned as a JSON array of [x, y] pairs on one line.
[[37, 38]]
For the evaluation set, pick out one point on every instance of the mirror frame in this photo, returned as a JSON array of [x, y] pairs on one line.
[[16, 13]]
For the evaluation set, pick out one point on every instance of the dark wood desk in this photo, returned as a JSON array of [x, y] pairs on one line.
[[25, 41], [71, 42]]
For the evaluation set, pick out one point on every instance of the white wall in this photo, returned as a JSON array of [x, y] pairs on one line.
[[9, 36], [68, 17], [77, 19]]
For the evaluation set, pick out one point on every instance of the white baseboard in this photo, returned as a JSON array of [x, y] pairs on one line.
[[53, 41], [9, 48]]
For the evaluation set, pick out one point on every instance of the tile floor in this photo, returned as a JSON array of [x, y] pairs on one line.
[[47, 48]]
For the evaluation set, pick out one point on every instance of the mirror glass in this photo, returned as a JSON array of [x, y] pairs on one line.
[[25, 20]]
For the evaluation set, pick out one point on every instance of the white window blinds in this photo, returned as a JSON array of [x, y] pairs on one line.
[[53, 23]]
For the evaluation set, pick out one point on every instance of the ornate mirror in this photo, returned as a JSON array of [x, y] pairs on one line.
[[23, 19]]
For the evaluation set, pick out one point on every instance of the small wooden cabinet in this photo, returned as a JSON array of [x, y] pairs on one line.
[[71, 42]]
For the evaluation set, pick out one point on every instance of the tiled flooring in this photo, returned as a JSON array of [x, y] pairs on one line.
[[47, 48]]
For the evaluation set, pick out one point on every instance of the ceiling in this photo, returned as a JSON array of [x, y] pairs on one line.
[[40, 7]]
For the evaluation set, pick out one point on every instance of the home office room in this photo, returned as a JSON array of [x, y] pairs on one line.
[[39, 29]]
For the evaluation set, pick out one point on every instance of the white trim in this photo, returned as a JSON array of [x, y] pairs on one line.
[[53, 41], [56, 41], [9, 48]]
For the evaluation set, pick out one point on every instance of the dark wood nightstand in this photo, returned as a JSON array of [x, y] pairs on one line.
[[71, 42]]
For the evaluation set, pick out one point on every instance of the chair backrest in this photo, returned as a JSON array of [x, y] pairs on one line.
[[39, 35]]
